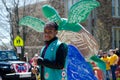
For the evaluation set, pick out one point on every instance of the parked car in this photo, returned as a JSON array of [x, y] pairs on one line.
[[11, 68]]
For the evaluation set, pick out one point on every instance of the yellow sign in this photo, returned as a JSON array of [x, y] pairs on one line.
[[18, 41]]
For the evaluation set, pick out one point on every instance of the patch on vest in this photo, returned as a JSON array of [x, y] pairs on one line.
[[63, 74], [46, 75]]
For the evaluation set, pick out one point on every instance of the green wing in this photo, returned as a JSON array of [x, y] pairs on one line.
[[51, 14], [80, 10], [69, 27], [32, 22]]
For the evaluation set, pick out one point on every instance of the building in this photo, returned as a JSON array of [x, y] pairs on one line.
[[116, 24], [103, 22]]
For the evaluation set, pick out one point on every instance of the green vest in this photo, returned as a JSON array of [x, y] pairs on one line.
[[49, 73]]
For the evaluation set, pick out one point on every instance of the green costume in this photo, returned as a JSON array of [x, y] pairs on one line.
[[49, 73]]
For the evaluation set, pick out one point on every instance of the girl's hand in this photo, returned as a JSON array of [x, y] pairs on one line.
[[34, 70]]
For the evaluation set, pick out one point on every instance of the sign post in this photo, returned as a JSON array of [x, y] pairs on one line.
[[18, 43]]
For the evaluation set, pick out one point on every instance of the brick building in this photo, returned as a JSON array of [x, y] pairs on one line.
[[102, 23], [109, 16]]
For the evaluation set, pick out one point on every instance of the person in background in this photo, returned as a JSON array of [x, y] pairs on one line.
[[100, 52], [53, 55], [113, 62], [32, 60], [35, 66], [117, 52], [106, 59], [118, 68], [26, 57]]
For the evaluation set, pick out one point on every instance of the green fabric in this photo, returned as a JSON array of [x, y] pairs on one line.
[[62, 22], [100, 63], [64, 25], [32, 22], [78, 13], [50, 13], [80, 10], [53, 74]]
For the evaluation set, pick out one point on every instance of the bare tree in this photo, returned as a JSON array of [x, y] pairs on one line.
[[15, 12], [102, 36]]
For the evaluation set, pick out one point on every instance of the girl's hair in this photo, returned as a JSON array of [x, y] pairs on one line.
[[52, 24]]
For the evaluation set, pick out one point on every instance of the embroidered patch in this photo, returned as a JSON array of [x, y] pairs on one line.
[[46, 76], [63, 73]]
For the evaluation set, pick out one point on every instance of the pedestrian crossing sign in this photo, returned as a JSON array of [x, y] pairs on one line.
[[18, 41]]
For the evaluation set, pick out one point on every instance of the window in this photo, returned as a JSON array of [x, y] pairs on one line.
[[69, 4], [116, 37], [116, 8]]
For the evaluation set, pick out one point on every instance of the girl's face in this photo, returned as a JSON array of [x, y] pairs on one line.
[[49, 33]]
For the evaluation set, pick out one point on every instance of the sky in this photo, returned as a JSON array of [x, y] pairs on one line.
[[4, 25]]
